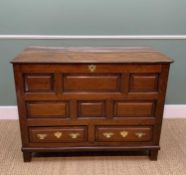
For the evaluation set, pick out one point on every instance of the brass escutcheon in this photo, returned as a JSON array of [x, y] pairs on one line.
[[124, 133], [92, 67], [58, 134], [108, 134], [41, 136]]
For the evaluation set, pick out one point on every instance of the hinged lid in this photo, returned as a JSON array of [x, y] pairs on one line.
[[91, 55]]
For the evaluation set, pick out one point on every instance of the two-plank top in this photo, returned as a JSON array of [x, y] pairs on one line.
[[39, 54]]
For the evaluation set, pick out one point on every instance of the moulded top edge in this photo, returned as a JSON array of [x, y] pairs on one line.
[[39, 54]]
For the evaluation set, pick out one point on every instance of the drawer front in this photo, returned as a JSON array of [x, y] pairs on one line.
[[58, 134], [123, 133], [48, 109]]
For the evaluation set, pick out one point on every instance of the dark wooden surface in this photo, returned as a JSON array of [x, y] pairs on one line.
[[69, 106], [91, 55]]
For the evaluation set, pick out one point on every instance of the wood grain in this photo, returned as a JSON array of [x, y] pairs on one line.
[[117, 106], [90, 55]]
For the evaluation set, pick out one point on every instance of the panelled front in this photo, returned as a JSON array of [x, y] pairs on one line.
[[106, 79], [72, 99], [110, 92], [82, 96]]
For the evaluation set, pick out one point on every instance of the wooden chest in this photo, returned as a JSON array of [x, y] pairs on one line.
[[90, 99]]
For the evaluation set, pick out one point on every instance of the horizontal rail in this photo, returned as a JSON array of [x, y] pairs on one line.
[[84, 37]]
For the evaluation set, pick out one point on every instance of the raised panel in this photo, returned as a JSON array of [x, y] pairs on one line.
[[91, 109], [123, 133], [58, 134], [143, 82], [134, 109], [48, 109], [92, 83], [38, 82]]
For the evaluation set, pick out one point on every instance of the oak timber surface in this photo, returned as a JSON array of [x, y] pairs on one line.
[[91, 55], [54, 98]]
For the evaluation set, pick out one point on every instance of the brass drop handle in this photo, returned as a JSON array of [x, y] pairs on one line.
[[92, 67], [74, 135], [41, 136], [124, 133], [58, 134], [140, 134], [108, 134]]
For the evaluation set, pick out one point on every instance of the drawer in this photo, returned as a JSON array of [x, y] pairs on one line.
[[58, 134], [123, 133]]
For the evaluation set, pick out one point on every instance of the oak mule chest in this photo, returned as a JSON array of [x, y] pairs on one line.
[[90, 99]]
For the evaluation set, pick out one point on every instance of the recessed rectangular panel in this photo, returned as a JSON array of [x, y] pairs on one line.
[[143, 82], [92, 83], [134, 109], [91, 109], [123, 133], [48, 109], [39, 82]]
